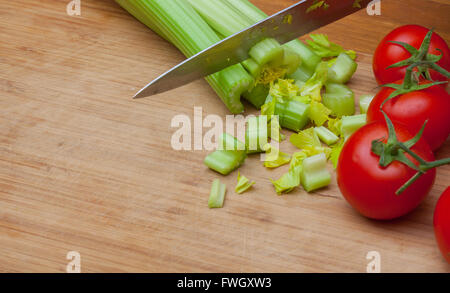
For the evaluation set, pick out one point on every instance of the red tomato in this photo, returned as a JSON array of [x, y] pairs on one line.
[[387, 53], [442, 223], [370, 188], [413, 109]]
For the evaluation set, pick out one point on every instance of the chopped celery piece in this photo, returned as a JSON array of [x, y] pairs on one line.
[[243, 184], [335, 126], [266, 51], [305, 138], [252, 67], [224, 162], [309, 142], [321, 45], [274, 158], [339, 99], [313, 86], [309, 59], [293, 115], [314, 173], [254, 15], [326, 135], [319, 113], [343, 69], [364, 103], [335, 152], [177, 22], [284, 88], [256, 135], [290, 180], [301, 75], [217, 195], [291, 61], [274, 129], [228, 157], [257, 95], [351, 124], [228, 142]]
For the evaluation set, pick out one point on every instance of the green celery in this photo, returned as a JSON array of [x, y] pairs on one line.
[[253, 14], [314, 173], [266, 51], [256, 135], [274, 158], [340, 99], [326, 135], [291, 61], [293, 115], [220, 16], [350, 124], [247, 10], [243, 184], [228, 142], [180, 24], [229, 156], [301, 74], [321, 45], [336, 150], [290, 180], [319, 113], [308, 141], [364, 103], [343, 69], [253, 67], [257, 95], [217, 194], [309, 59]]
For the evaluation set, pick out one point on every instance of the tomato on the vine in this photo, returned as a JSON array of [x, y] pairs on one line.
[[442, 223], [388, 53], [413, 109], [370, 188]]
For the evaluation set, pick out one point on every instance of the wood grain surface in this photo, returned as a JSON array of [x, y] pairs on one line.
[[85, 168]]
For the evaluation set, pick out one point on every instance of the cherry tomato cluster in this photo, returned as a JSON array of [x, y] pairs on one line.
[[387, 167]]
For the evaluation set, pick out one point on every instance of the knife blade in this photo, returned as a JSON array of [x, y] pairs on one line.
[[284, 26]]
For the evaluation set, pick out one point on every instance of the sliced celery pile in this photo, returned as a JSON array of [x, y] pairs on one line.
[[296, 85]]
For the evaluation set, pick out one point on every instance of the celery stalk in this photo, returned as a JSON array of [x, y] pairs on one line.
[[256, 135], [364, 103], [351, 124], [257, 95], [294, 115], [343, 69], [253, 67], [326, 135], [339, 99], [180, 24], [301, 74], [229, 156], [266, 51], [314, 173], [217, 194], [220, 16]]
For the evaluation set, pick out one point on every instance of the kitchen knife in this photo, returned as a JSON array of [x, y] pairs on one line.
[[288, 24]]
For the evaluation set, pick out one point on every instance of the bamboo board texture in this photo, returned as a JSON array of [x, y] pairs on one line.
[[85, 168]]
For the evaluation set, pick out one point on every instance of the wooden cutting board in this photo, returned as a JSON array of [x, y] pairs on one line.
[[85, 168]]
